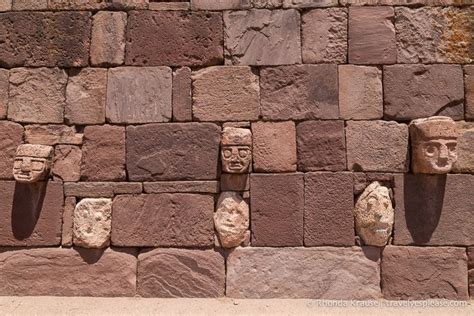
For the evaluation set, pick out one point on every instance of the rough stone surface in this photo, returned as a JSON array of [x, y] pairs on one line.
[[324, 36], [363, 180], [181, 273], [173, 151], [101, 189], [277, 202], [465, 148], [219, 5], [37, 95], [67, 272], [311, 273], [274, 146], [103, 153], [299, 92], [31, 214], [235, 182], [377, 146], [417, 273], [231, 219], [266, 4], [372, 35], [3, 93], [182, 95], [93, 223], [433, 35], [302, 4], [174, 38], [108, 38], [329, 202], [469, 88], [85, 96], [165, 220], [21, 5], [139, 95], [11, 137], [52, 135], [262, 37], [32, 163], [417, 91], [78, 4], [360, 92], [127, 4], [67, 43], [169, 6], [5, 5], [434, 210], [68, 221], [321, 145], [226, 94], [181, 186], [470, 253]]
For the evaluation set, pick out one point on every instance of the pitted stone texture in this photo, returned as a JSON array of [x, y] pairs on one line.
[[231, 219], [163, 220], [11, 137], [419, 273], [433, 35], [329, 202], [434, 210], [303, 4], [182, 95], [226, 94], [470, 254], [181, 187], [324, 36], [21, 5], [67, 272], [274, 146], [169, 6], [266, 4], [139, 95], [277, 203], [101, 189], [219, 4], [418, 91], [469, 87], [93, 223], [321, 145], [67, 43], [5, 5], [77, 4], [103, 153], [299, 92], [85, 96], [31, 213], [108, 38], [67, 163], [360, 92], [372, 35], [173, 151], [311, 273], [52, 135], [37, 95], [181, 273], [377, 146], [127, 4], [68, 221], [3, 93], [262, 37], [465, 148], [174, 38]]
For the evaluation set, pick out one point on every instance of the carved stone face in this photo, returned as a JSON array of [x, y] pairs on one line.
[[32, 163], [231, 219], [236, 152], [434, 142], [92, 223], [374, 215]]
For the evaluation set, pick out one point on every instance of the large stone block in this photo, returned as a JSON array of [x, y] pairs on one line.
[[3, 93], [37, 95], [417, 273], [29, 5], [181, 273], [139, 95], [219, 5], [262, 37], [372, 35], [226, 94], [469, 88], [68, 221], [417, 91], [181, 187], [304, 4], [66, 43], [67, 272], [174, 38], [299, 92], [277, 204], [31, 213], [465, 148], [67, 163], [108, 38], [324, 36], [163, 220], [434, 210], [11, 137], [182, 95], [173, 151], [311, 273], [377, 146], [101, 189], [78, 4], [52, 135]]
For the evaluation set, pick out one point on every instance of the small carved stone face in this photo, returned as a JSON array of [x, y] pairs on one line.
[[437, 155], [236, 152], [32, 163], [231, 219]]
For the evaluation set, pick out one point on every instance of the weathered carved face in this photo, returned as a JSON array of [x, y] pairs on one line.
[[92, 223], [374, 215], [32, 163], [231, 219], [236, 151]]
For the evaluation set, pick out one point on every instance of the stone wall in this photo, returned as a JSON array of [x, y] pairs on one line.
[[136, 98]]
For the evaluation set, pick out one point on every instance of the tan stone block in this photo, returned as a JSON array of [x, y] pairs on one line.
[[266, 4], [5, 5], [92, 223], [309, 3], [108, 38], [68, 221], [182, 95], [11, 137], [181, 186], [67, 162], [20, 5], [4, 74], [169, 6], [77, 4], [101, 189], [52, 135]]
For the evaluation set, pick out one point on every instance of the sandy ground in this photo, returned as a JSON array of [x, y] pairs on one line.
[[141, 306]]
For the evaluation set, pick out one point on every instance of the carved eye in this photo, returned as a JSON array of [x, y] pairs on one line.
[[17, 164], [37, 165], [451, 147], [430, 149], [227, 153], [243, 153]]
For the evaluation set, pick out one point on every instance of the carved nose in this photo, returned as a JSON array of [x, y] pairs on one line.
[[443, 152], [25, 165]]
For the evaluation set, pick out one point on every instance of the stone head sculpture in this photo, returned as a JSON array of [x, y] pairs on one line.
[[231, 219], [433, 143], [32, 163], [236, 150], [374, 215]]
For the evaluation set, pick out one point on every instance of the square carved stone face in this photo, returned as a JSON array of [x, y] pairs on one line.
[[236, 150], [32, 163]]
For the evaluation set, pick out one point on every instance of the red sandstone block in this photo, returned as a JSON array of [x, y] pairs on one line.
[[11, 137], [182, 95], [167, 220], [181, 273], [329, 202], [67, 272], [416, 273], [434, 210], [470, 254], [31, 213], [3, 93], [108, 38], [277, 203], [469, 86]]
